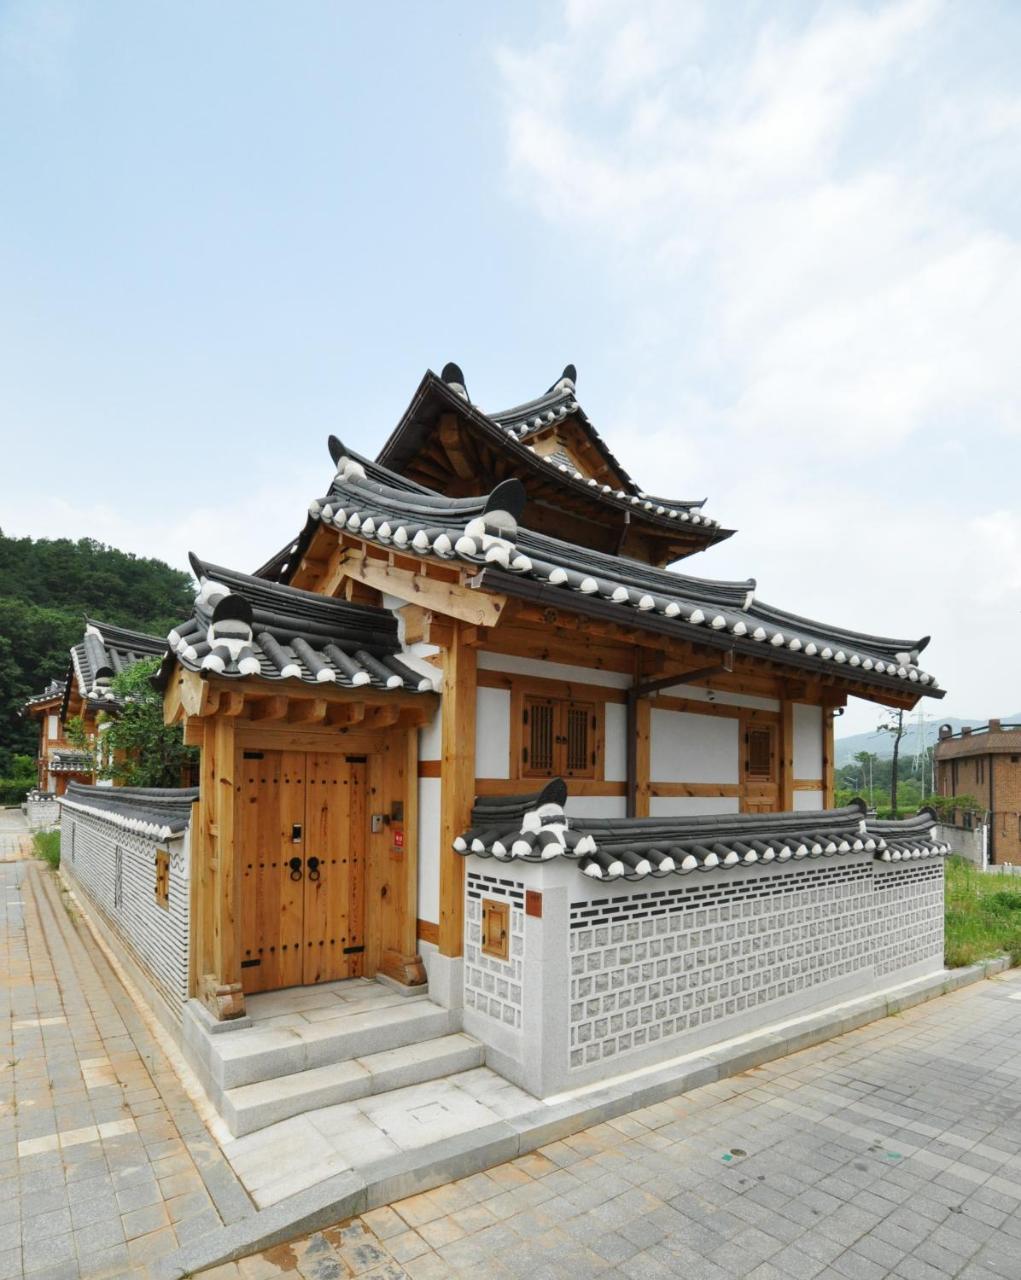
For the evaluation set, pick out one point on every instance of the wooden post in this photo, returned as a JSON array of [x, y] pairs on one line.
[[643, 756], [827, 757], [787, 755], [216, 940], [457, 785]]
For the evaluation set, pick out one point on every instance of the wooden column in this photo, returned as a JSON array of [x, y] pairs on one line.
[[457, 785], [643, 756], [827, 757], [786, 749], [215, 940], [398, 878]]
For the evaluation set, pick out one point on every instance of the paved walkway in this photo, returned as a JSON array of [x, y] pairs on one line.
[[894, 1150], [104, 1164]]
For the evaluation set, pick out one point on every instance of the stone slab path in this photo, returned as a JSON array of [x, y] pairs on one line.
[[105, 1166], [891, 1151]]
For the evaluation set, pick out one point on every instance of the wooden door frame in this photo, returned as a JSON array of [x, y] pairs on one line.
[[391, 875]]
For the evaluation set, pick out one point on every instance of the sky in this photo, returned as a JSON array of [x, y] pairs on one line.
[[780, 241]]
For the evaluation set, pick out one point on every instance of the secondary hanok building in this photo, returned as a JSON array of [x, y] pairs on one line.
[[85, 692], [472, 729], [56, 760]]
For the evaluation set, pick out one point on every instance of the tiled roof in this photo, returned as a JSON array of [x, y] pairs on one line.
[[160, 812], [55, 689], [512, 430], [535, 828], [245, 626], [486, 532], [104, 652], [558, 403], [63, 761]]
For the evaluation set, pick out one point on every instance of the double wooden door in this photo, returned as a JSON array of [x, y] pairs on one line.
[[302, 835]]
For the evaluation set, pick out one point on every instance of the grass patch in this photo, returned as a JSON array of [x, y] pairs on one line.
[[983, 915], [47, 847]]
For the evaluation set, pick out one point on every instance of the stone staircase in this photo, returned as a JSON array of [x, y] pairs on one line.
[[316, 1047]]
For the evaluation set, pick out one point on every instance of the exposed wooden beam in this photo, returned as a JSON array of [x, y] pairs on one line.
[[481, 608], [273, 708]]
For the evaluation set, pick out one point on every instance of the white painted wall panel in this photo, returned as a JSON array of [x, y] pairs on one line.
[[595, 806], [429, 849], [807, 801], [492, 733], [615, 760], [807, 741], [669, 806], [552, 670], [430, 746], [693, 748], [53, 722]]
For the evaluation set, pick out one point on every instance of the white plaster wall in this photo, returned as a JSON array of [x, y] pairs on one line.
[[552, 670], [807, 741], [807, 801], [668, 806], [429, 849], [693, 748], [595, 806], [492, 733], [52, 722], [615, 758], [430, 746]]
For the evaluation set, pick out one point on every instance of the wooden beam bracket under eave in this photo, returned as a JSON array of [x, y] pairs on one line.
[[475, 605], [191, 697]]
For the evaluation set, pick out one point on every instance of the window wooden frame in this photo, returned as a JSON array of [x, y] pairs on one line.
[[757, 733], [496, 928], [162, 891], [565, 715]]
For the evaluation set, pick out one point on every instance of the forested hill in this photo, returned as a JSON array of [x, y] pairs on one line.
[[46, 586]]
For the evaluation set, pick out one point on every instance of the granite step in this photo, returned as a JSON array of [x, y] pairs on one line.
[[250, 1107], [287, 1046]]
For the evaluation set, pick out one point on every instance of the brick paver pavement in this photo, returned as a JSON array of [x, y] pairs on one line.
[[894, 1150], [104, 1163]]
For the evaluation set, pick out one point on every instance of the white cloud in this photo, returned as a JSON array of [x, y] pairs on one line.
[[798, 212]]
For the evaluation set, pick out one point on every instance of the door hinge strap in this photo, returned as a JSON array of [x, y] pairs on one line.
[[250, 964], [353, 951]]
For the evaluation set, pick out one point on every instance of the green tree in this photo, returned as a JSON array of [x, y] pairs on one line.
[[135, 747], [46, 587]]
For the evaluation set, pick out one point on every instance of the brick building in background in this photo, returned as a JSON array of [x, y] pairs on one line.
[[985, 763]]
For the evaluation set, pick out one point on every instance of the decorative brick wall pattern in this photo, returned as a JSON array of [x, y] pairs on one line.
[[494, 987], [650, 965], [42, 815], [908, 915], [115, 872]]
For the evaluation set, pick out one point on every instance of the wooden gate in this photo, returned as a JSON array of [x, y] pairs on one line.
[[301, 831]]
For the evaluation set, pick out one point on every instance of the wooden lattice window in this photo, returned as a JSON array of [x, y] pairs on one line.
[[163, 879], [496, 928], [540, 736], [759, 759], [560, 738]]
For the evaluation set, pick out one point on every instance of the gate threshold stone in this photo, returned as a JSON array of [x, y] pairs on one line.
[[384, 1179]]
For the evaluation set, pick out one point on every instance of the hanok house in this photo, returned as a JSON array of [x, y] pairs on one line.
[[102, 653], [984, 763], [469, 737]]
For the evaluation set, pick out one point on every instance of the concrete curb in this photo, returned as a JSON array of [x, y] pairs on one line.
[[346, 1194]]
